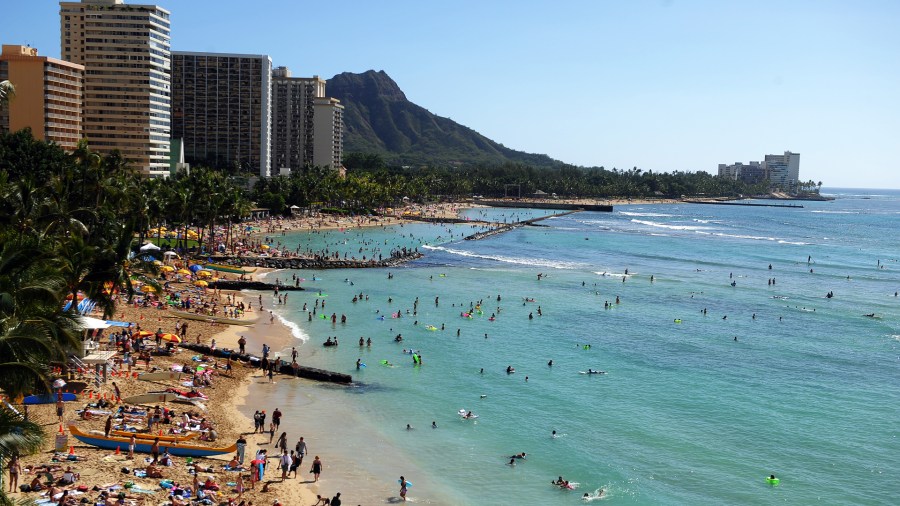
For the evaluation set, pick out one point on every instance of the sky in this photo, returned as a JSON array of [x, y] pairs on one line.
[[661, 85]]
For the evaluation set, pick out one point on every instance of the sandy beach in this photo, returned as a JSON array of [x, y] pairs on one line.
[[104, 469]]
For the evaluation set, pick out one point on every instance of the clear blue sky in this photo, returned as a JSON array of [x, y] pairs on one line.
[[661, 85]]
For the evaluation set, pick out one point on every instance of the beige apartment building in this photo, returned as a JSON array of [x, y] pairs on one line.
[[329, 133], [125, 51], [48, 96], [221, 109], [293, 127]]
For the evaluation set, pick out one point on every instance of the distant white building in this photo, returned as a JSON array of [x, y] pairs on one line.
[[782, 171], [752, 172]]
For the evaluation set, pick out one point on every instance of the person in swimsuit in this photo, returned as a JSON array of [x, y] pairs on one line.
[[316, 469]]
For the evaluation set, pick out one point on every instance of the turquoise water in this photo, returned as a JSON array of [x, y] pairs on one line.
[[684, 415]]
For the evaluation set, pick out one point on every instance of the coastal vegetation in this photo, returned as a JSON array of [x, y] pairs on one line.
[[69, 224]]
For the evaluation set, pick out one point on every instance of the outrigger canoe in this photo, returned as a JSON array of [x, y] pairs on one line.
[[228, 268], [143, 445], [144, 435]]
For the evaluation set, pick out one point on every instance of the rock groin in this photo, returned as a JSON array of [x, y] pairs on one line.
[[283, 367], [313, 263]]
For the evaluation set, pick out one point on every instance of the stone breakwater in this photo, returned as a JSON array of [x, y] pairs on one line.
[[253, 285], [283, 367], [506, 228], [313, 263]]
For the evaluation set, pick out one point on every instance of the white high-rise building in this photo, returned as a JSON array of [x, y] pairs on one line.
[[783, 170], [125, 51]]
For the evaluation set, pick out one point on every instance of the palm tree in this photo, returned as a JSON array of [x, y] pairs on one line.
[[7, 91]]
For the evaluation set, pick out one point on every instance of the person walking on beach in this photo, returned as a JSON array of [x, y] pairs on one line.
[[281, 443], [242, 344], [403, 487], [285, 461], [316, 468], [276, 418], [241, 447], [301, 450]]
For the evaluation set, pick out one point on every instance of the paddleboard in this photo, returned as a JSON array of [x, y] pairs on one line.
[[159, 376], [463, 414], [150, 398], [47, 398]]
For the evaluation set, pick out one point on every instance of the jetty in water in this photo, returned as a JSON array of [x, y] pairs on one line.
[[543, 204], [739, 203], [283, 366], [507, 227], [314, 263]]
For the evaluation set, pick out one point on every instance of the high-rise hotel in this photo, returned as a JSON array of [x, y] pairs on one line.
[[48, 96], [125, 51], [307, 126], [221, 109]]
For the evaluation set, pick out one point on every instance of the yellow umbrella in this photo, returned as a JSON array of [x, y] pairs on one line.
[[184, 272], [148, 288], [204, 274], [157, 262], [264, 246], [167, 268], [201, 283]]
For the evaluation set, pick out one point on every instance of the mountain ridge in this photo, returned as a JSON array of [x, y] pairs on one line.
[[380, 119]]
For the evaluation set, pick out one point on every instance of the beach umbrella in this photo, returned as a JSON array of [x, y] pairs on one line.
[[204, 274], [167, 268], [264, 246], [149, 247], [170, 254], [148, 288], [144, 333], [157, 262], [184, 272], [257, 462], [59, 383], [195, 267], [201, 283], [172, 338]]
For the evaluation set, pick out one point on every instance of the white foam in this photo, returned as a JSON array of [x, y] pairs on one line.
[[613, 274], [651, 215], [295, 329], [835, 212], [537, 262], [670, 227]]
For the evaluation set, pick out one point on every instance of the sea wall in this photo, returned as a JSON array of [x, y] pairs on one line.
[[252, 285], [284, 368], [313, 263], [562, 206]]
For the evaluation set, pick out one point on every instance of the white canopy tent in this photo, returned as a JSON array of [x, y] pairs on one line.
[[88, 323], [149, 247]]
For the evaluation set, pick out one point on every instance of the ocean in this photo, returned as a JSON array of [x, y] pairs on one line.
[[731, 364]]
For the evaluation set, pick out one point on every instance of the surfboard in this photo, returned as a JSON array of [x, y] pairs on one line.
[[159, 376], [592, 372], [47, 398], [150, 398]]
